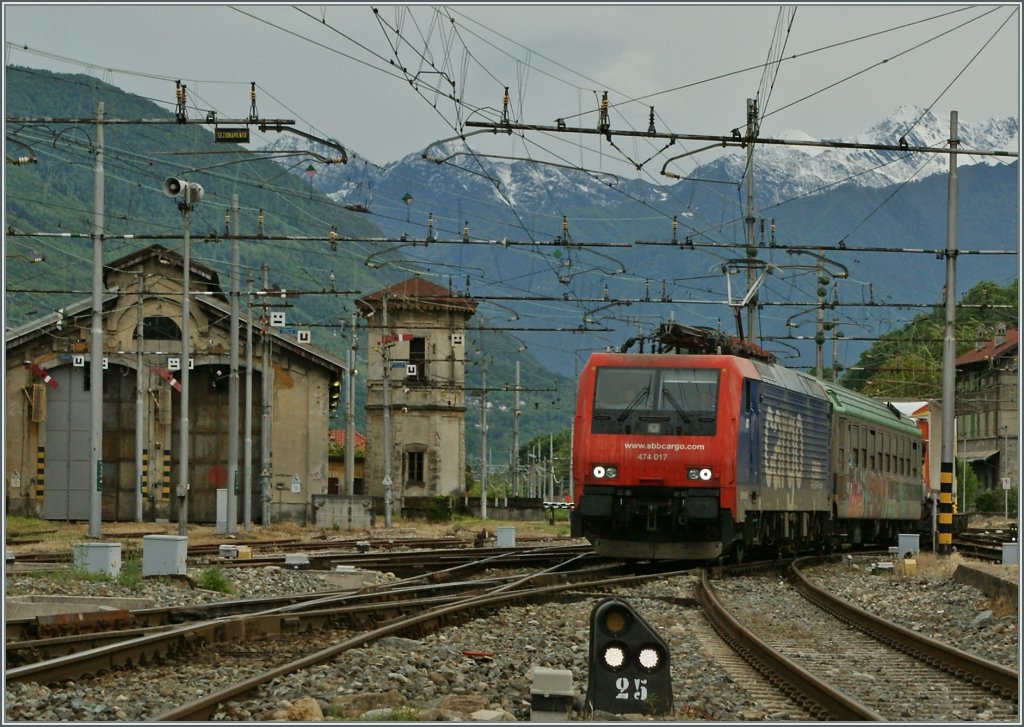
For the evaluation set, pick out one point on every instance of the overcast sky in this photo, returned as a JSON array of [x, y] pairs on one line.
[[337, 69]]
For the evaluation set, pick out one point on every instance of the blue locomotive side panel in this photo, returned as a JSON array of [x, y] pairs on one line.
[[793, 448]]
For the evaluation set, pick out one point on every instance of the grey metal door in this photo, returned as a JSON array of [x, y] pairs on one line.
[[68, 446]]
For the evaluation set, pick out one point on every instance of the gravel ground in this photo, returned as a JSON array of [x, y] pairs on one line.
[[433, 678]]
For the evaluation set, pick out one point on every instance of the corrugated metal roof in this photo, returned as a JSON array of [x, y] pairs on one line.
[[977, 455]]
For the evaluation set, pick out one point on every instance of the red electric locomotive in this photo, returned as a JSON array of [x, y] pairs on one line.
[[696, 456]]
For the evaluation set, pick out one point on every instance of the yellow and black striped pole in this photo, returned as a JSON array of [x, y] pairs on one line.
[[944, 546], [165, 493], [145, 473], [945, 541], [40, 472]]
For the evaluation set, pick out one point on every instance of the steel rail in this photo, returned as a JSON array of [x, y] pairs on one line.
[[814, 695], [997, 678], [203, 708], [242, 620]]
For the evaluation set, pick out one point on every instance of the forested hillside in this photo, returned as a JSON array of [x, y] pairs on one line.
[[53, 195]]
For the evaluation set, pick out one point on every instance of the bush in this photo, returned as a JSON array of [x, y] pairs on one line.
[[213, 579], [130, 575], [997, 500], [437, 509]]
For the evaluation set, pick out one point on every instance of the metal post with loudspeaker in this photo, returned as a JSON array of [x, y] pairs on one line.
[[193, 191], [629, 663]]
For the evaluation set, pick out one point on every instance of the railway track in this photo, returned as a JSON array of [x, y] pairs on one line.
[[264, 551], [984, 545], [226, 659], [832, 657], [301, 635], [436, 565]]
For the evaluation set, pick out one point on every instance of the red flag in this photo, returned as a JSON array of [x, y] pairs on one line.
[[44, 375], [168, 377]]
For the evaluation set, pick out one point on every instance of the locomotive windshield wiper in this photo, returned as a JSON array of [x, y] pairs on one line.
[[640, 396], [675, 404]]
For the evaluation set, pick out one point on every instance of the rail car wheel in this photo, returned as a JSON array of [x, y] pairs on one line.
[[739, 552]]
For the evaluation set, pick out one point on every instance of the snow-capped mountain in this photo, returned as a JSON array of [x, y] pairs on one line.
[[810, 196], [787, 172], [782, 172]]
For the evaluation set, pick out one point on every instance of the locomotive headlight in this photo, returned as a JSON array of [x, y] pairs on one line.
[[698, 473], [605, 472], [598, 471], [610, 472], [705, 474]]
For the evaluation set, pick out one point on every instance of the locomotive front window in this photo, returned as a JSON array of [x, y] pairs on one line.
[[670, 402]]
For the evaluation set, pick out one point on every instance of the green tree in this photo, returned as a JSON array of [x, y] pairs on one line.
[[908, 362], [967, 485]]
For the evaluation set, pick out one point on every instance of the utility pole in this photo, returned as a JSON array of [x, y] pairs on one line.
[[183, 425], [386, 353], [483, 442], [945, 544], [350, 419], [96, 341], [819, 331], [140, 397], [247, 444], [751, 250], [267, 393], [515, 436], [551, 468], [232, 469]]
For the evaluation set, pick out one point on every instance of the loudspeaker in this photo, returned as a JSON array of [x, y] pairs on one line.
[[173, 186]]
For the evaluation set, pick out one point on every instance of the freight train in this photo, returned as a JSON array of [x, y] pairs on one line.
[[723, 452]]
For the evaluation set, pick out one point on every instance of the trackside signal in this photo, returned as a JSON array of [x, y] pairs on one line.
[[335, 393], [629, 663]]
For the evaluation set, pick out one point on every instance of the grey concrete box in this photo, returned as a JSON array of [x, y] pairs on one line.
[[506, 537], [551, 695], [910, 544], [164, 555], [98, 558], [1009, 553]]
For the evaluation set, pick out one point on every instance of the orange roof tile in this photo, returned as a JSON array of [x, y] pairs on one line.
[[417, 293], [990, 350]]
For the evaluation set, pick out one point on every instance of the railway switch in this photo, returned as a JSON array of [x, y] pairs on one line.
[[629, 663]]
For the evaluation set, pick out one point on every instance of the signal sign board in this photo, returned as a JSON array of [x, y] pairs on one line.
[[232, 135]]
